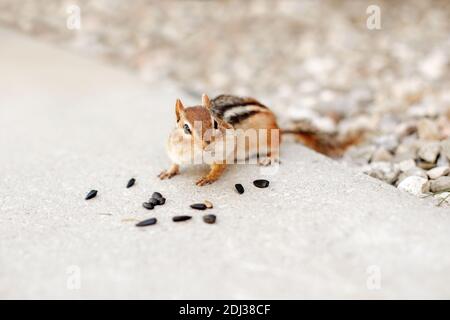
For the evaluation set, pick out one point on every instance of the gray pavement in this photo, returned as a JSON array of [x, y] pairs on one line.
[[69, 124]]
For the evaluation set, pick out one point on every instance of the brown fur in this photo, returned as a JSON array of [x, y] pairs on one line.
[[198, 113], [327, 144], [263, 120]]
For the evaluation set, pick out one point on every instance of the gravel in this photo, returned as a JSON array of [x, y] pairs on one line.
[[417, 186], [440, 184], [438, 172]]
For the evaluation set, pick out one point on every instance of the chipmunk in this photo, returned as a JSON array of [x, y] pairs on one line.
[[206, 127]]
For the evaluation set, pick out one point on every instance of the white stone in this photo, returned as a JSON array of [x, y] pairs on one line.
[[414, 185], [429, 151], [433, 66], [418, 172], [443, 160], [422, 110], [428, 130], [406, 165], [360, 154], [389, 142], [407, 150], [440, 184], [383, 170], [381, 154], [445, 148], [438, 172]]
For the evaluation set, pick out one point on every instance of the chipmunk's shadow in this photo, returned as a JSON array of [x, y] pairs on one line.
[[194, 171]]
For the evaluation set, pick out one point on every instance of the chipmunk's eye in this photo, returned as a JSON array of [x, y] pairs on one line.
[[215, 124], [186, 129]]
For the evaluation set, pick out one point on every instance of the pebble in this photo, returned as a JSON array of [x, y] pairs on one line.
[[429, 151], [405, 151], [261, 183], [406, 165], [91, 194], [181, 218], [440, 184], [147, 222], [382, 170], [405, 129], [381, 154], [199, 206], [148, 205], [239, 188], [388, 142], [426, 165], [445, 148], [443, 161], [417, 172], [438, 172], [131, 182], [209, 218], [417, 186], [208, 204], [360, 154], [427, 130]]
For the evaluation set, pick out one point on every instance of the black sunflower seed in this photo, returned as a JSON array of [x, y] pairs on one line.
[[131, 182], [181, 218], [156, 195], [261, 183], [199, 206], [147, 222], [209, 218], [161, 201], [239, 188], [153, 201], [148, 205], [91, 194]]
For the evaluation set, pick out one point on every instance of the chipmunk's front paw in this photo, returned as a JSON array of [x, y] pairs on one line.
[[167, 174], [205, 180]]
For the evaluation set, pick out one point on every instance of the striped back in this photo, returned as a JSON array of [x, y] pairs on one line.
[[232, 109]]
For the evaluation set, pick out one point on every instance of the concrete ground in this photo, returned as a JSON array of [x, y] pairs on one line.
[[69, 125]]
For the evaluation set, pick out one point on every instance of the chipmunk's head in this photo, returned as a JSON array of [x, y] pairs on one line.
[[196, 122]]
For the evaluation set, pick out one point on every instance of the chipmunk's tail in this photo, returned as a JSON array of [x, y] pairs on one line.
[[328, 144]]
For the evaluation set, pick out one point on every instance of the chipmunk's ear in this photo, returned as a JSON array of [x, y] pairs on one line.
[[179, 109], [206, 103]]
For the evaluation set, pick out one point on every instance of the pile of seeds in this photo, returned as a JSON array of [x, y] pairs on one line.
[[157, 199]]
